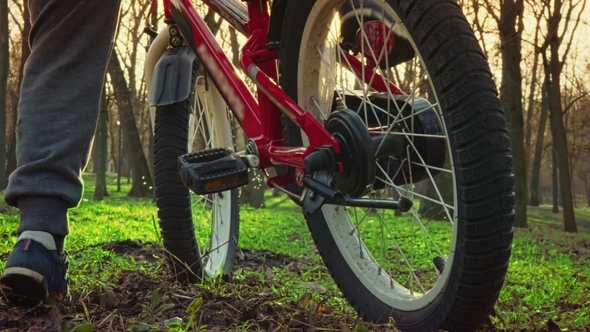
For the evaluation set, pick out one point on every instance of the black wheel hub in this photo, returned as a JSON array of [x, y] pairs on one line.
[[400, 160], [356, 152]]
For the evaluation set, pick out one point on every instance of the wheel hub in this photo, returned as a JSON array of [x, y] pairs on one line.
[[400, 160], [356, 152]]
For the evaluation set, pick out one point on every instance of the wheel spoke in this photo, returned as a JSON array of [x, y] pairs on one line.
[[397, 118]]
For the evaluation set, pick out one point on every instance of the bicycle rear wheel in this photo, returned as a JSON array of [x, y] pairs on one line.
[[199, 232], [442, 265]]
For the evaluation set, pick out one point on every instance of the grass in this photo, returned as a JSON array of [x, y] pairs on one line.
[[548, 277], [549, 274]]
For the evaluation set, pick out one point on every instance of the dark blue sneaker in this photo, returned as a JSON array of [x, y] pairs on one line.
[[34, 270]]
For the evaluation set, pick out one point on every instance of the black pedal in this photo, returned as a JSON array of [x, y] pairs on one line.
[[212, 171]]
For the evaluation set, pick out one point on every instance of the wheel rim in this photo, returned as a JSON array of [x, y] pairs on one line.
[[209, 127], [371, 241]]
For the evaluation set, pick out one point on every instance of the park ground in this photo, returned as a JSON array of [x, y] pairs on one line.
[[119, 280]]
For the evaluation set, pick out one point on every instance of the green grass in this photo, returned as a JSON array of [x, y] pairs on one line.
[[548, 277], [279, 227], [549, 274]]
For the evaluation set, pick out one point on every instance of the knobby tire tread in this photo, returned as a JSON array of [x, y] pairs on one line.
[[176, 223]]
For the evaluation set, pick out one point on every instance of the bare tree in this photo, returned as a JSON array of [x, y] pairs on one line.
[[25, 51], [4, 69], [538, 154], [533, 84], [556, 111], [101, 143], [539, 9], [142, 181], [510, 25]]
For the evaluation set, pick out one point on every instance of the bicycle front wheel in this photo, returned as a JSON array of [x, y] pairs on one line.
[[442, 265], [200, 232]]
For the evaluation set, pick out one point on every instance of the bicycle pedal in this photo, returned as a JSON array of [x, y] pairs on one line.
[[212, 171]]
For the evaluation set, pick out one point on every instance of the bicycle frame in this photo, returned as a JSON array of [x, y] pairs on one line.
[[260, 117]]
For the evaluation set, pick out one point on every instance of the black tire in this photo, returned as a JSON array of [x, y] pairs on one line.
[[178, 207], [478, 155]]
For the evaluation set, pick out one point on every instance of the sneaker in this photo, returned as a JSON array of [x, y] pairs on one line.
[[34, 270]]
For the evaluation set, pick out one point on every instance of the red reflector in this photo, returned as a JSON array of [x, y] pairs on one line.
[[379, 39], [27, 244]]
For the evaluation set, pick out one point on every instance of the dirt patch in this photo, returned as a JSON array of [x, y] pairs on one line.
[[254, 260], [136, 302]]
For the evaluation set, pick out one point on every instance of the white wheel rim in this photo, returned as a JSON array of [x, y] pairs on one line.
[[339, 221], [210, 120]]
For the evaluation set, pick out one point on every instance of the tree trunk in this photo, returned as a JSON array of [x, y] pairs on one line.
[[555, 179], [546, 104], [559, 135], [25, 52], [119, 157], [95, 154], [587, 185], [4, 68], [536, 169], [531, 101], [142, 181], [511, 97], [101, 142]]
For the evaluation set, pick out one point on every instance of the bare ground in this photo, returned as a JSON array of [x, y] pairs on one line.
[[249, 304], [252, 304]]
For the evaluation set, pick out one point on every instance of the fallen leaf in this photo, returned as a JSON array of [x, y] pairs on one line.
[[361, 328], [322, 309], [195, 305], [314, 286], [173, 322], [109, 300], [141, 327], [83, 328], [303, 302], [268, 274]]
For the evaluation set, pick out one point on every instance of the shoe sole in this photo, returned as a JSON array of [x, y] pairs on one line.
[[23, 286]]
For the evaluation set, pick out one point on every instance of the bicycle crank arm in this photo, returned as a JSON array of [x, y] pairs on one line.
[[328, 195]]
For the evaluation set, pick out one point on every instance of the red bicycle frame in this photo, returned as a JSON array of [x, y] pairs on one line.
[[260, 117]]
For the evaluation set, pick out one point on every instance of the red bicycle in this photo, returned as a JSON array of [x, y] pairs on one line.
[[363, 109]]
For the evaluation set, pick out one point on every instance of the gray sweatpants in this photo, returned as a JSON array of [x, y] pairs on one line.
[[71, 41]]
